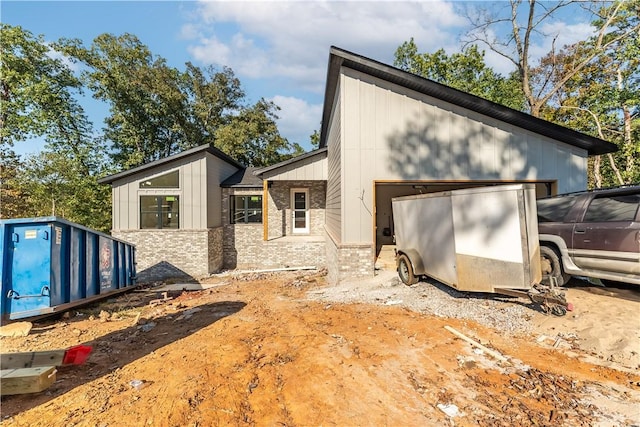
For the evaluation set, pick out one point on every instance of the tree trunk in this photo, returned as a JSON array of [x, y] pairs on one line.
[[597, 176], [615, 169], [628, 143]]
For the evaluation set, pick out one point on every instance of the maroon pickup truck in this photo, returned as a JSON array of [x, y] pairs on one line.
[[591, 234]]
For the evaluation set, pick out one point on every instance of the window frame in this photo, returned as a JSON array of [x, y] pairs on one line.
[[141, 182], [246, 209], [160, 213], [597, 204]]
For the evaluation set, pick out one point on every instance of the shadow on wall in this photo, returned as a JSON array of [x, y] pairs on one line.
[[163, 271], [230, 257], [448, 146]]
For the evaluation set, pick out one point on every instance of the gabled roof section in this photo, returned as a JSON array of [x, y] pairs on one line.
[[202, 148], [339, 58], [293, 162], [244, 178]]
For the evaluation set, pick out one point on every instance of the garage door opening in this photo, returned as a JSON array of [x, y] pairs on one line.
[[384, 191]]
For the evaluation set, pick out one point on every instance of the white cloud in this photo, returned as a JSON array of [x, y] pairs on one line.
[[298, 119], [561, 34], [283, 46], [291, 39]]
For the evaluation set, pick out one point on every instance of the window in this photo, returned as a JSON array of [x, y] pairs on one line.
[[555, 208], [159, 212], [613, 208], [168, 180], [246, 209]]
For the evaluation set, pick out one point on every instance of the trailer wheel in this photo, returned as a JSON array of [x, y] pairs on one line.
[[405, 271], [552, 266]]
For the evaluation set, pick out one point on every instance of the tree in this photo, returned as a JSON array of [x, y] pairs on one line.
[[214, 97], [465, 71], [314, 139], [36, 89], [13, 203], [591, 86], [38, 93], [594, 102], [63, 182], [524, 20], [253, 138], [157, 110], [147, 107]]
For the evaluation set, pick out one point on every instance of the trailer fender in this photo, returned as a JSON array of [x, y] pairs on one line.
[[415, 258]]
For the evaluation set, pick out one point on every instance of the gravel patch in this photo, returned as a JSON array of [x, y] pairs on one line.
[[509, 315]]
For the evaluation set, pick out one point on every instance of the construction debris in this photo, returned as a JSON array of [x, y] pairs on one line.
[[33, 372], [16, 329], [492, 353]]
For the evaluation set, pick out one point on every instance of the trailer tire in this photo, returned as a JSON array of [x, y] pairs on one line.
[[552, 266], [405, 271]]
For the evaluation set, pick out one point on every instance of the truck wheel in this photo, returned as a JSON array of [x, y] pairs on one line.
[[551, 266], [405, 271]]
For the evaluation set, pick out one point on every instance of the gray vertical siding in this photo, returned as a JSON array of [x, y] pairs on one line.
[[199, 192], [217, 171], [333, 211], [392, 133]]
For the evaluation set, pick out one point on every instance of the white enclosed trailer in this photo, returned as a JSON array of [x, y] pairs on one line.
[[480, 240]]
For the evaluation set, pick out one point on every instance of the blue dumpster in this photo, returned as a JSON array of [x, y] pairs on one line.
[[50, 264]]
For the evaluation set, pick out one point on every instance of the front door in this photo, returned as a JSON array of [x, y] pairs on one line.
[[300, 210]]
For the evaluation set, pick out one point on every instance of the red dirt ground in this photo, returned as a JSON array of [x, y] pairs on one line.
[[260, 353]]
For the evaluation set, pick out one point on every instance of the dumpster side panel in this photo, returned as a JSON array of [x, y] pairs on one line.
[[108, 278], [77, 261], [60, 268], [121, 266], [4, 269], [27, 288], [51, 264], [92, 269]]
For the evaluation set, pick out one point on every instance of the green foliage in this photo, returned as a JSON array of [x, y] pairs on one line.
[[58, 182], [38, 99], [603, 98], [157, 110], [36, 88], [13, 203], [465, 71], [315, 139], [253, 138]]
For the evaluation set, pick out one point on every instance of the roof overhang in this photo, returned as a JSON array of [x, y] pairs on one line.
[[193, 151], [300, 161], [339, 58]]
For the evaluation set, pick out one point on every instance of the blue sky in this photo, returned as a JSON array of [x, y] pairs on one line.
[[279, 50]]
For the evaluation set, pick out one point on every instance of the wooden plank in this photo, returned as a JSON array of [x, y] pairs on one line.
[[31, 359], [29, 380]]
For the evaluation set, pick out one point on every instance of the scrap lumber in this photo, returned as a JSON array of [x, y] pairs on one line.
[[493, 353], [76, 355], [28, 380], [35, 371]]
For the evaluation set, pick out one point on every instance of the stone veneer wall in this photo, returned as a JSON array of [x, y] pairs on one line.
[[348, 261], [243, 244], [280, 216], [163, 254]]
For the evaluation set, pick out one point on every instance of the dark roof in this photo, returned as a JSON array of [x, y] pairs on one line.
[[243, 178], [339, 57], [206, 147], [260, 171]]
